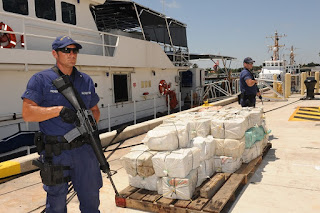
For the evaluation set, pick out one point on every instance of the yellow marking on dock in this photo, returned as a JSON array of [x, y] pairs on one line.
[[306, 114], [9, 168]]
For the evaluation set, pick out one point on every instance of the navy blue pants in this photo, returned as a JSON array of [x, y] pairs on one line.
[[248, 101], [86, 179]]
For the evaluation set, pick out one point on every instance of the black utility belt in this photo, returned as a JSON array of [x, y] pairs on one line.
[[55, 144]]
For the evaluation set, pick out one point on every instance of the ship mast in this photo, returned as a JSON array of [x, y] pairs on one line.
[[292, 61], [276, 46]]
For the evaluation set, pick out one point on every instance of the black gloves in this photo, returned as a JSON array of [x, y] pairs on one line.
[[68, 115], [260, 97]]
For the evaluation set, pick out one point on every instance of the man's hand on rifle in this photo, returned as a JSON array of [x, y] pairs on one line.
[[259, 94], [69, 116]]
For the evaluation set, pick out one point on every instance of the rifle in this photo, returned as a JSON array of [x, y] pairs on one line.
[[86, 126]]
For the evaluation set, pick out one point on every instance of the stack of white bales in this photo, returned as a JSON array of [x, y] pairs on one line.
[[139, 167], [228, 129], [177, 162], [256, 136], [190, 147], [181, 172], [207, 147]]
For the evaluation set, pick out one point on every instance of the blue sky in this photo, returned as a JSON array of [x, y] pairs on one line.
[[239, 28]]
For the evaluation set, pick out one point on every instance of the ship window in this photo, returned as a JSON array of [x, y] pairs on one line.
[[16, 6], [263, 64], [120, 84], [68, 13], [45, 9]]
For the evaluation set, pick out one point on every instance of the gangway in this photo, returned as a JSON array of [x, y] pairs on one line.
[[214, 90]]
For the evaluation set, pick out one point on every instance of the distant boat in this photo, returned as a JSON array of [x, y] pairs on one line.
[[277, 66]]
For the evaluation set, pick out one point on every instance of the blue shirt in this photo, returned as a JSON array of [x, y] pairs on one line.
[[41, 90], [245, 75]]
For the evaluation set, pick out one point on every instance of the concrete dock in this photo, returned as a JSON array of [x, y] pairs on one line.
[[287, 180]]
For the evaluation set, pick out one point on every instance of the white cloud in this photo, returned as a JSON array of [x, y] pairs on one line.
[[172, 4]]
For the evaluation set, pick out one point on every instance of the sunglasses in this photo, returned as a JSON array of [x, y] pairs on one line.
[[68, 50]]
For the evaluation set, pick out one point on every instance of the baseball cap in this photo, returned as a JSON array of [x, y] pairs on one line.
[[63, 41], [248, 60]]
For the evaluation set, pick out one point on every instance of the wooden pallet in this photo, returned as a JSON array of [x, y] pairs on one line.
[[211, 196]]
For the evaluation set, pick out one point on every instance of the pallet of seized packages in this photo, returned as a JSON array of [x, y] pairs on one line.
[[212, 196]]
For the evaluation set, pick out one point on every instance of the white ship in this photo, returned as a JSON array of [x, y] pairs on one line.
[[135, 56], [277, 66]]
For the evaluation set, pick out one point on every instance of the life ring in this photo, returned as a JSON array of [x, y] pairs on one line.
[[8, 38], [163, 87], [173, 99], [22, 40]]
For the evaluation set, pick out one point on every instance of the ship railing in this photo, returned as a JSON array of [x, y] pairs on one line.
[[214, 90], [178, 55], [26, 149], [236, 86], [137, 109], [106, 42], [133, 111]]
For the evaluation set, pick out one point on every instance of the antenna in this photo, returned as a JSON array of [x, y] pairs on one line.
[[276, 46], [292, 54]]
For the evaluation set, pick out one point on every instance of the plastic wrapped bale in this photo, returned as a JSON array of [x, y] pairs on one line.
[[181, 129], [200, 127], [254, 115], [207, 114], [254, 134], [159, 186], [149, 183], [180, 188], [230, 147], [139, 161], [196, 155], [235, 127], [210, 109], [212, 144], [167, 137], [252, 153], [217, 127], [265, 141], [205, 170], [206, 145], [227, 164], [230, 111], [176, 163]]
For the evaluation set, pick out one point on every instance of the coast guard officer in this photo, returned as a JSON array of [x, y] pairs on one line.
[[248, 85], [62, 161]]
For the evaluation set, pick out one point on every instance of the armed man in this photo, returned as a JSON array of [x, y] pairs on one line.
[[248, 85], [65, 157]]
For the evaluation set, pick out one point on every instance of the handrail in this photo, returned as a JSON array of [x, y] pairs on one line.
[[68, 27], [212, 87]]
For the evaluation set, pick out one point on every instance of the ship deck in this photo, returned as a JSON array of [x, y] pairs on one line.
[[287, 180]]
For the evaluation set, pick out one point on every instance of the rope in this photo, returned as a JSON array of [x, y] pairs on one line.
[[146, 151], [282, 106], [179, 185]]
